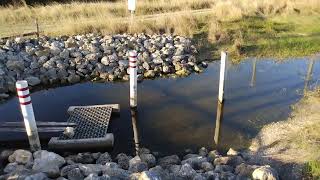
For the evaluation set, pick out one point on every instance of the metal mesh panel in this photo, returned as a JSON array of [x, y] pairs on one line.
[[92, 122]]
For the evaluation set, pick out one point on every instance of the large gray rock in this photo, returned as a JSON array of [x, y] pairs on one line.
[[104, 158], [265, 173], [149, 159], [136, 165], [73, 78], [123, 161], [64, 171], [37, 176], [87, 169], [186, 171], [33, 81], [75, 174], [195, 162], [47, 162], [15, 65], [169, 160], [21, 156], [116, 173], [11, 167]]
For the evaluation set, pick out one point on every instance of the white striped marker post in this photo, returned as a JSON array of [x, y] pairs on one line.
[[28, 115], [224, 59], [133, 78]]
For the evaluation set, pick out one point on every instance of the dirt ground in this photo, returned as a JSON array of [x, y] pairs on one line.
[[288, 145]]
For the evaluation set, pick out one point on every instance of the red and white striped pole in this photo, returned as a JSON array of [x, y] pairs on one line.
[[28, 115], [133, 78]]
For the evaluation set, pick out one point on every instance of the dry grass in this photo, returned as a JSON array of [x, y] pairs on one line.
[[296, 140]]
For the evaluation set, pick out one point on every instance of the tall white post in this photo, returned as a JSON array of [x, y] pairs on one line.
[[28, 115], [132, 6], [133, 78], [224, 58]]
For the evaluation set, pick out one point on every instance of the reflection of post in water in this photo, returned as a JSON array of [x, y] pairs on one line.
[[135, 129], [309, 74], [218, 122], [253, 77]]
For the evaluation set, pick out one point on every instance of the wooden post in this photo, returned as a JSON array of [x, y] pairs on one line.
[[135, 130], [224, 58], [37, 28], [309, 74], [28, 115], [218, 122], [253, 77]]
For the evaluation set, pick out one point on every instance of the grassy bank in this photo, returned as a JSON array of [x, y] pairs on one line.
[[296, 140], [278, 28]]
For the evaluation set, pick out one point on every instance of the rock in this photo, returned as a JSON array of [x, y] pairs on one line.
[[221, 160], [160, 172], [136, 165], [21, 156], [69, 132], [149, 74], [11, 167], [47, 162], [105, 61], [186, 171], [75, 174], [104, 158], [146, 175], [169, 160], [123, 63], [116, 173], [64, 171], [15, 65], [123, 161], [65, 54], [223, 168], [37, 176], [87, 169], [212, 155], [73, 78], [149, 159], [111, 165], [183, 72], [4, 155], [265, 173], [33, 81], [232, 152], [206, 166], [195, 162], [203, 151], [245, 170], [4, 95], [199, 177]]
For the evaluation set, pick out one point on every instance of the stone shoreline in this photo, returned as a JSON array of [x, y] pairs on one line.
[[44, 165], [71, 59]]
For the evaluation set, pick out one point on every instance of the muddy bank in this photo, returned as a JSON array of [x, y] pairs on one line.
[[22, 164], [71, 59], [289, 144]]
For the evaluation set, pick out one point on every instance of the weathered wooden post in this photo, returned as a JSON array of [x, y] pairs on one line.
[[309, 74], [28, 115], [253, 77], [133, 78], [37, 28], [224, 59], [135, 130]]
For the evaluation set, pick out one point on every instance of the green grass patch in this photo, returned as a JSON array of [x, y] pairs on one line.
[[312, 170]]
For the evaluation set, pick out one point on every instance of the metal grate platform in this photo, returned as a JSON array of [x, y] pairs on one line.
[[92, 122]]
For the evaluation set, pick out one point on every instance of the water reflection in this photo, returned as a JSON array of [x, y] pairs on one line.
[[135, 129], [175, 114]]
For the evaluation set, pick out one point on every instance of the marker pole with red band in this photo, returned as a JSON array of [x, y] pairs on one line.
[[133, 78], [28, 115]]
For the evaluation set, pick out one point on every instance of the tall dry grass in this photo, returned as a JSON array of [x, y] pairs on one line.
[[104, 16]]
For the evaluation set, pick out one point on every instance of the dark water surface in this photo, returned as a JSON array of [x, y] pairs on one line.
[[174, 114]]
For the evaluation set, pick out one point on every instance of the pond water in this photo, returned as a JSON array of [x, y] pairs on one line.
[[175, 114]]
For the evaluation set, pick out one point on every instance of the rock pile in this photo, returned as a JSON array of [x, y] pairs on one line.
[[70, 59], [44, 165]]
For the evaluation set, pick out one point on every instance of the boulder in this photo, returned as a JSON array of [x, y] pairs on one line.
[[136, 165], [149, 159], [104, 158], [37, 176], [75, 174], [169, 160], [123, 161], [195, 162], [265, 173], [87, 169], [187, 172], [21, 156], [15, 65], [73, 78], [47, 162], [33, 81], [150, 74], [232, 152], [116, 173]]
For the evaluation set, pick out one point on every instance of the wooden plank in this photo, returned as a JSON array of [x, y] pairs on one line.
[[41, 129], [115, 107], [39, 124], [22, 35]]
